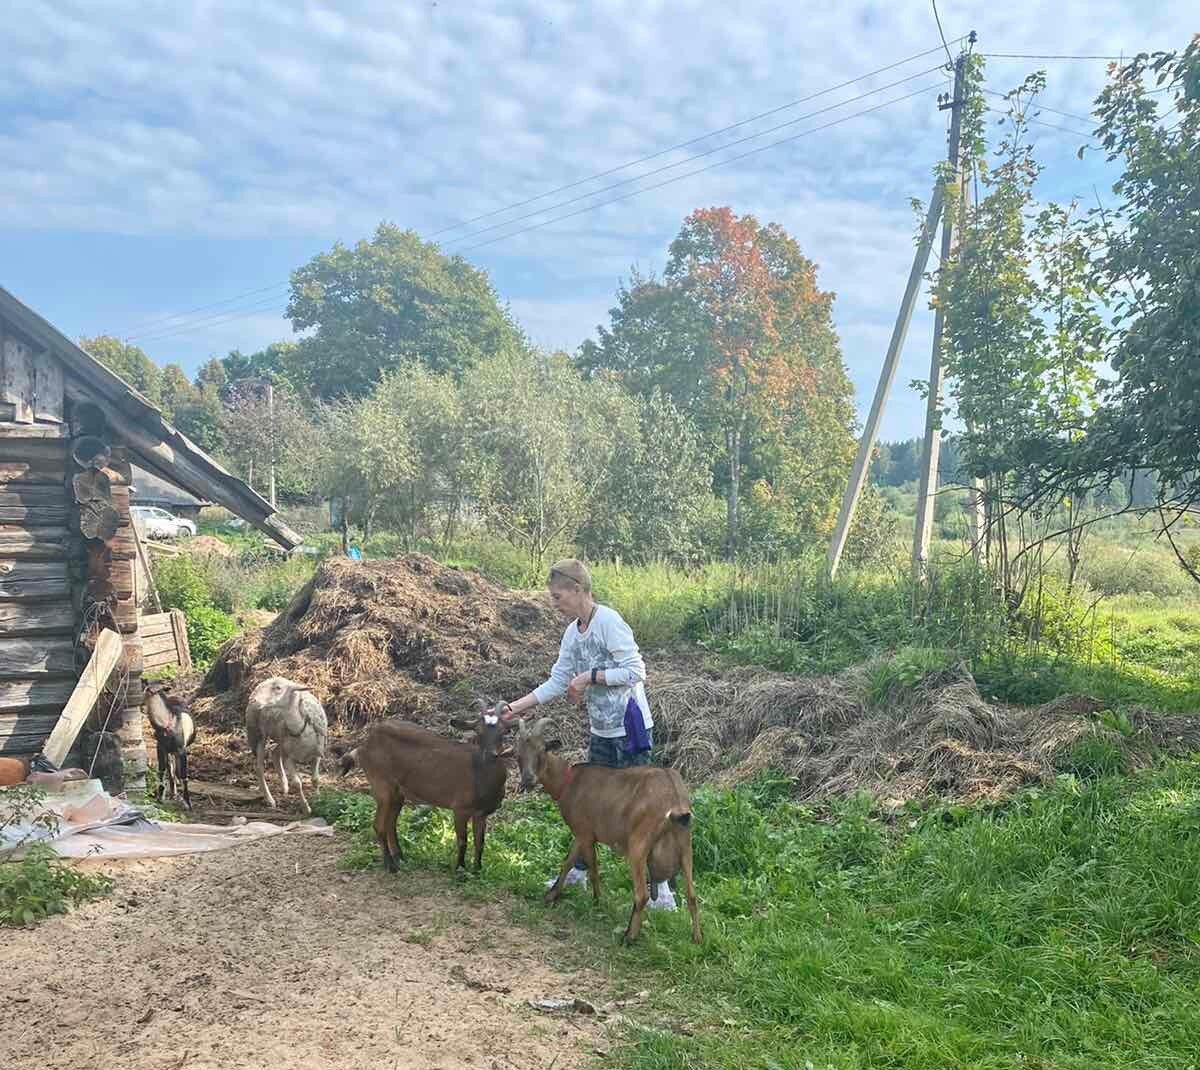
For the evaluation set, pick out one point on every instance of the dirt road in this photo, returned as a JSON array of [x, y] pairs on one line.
[[267, 955]]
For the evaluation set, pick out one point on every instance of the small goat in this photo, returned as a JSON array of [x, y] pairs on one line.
[[174, 732], [291, 717], [406, 763], [643, 813]]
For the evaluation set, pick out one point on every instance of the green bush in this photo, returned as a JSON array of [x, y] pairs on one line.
[[208, 628], [40, 885], [181, 583]]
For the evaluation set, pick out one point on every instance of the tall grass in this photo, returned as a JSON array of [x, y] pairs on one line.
[[1062, 930]]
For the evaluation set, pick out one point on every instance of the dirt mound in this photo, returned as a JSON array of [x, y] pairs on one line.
[[207, 545], [408, 637]]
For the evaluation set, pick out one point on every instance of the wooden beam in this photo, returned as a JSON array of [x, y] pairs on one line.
[[35, 544], [16, 377], [91, 683], [48, 388], [42, 618], [21, 695], [9, 430], [33, 581], [22, 659]]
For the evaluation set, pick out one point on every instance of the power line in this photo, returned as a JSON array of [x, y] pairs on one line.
[[697, 156], [152, 326], [941, 33], [1038, 122], [1043, 107], [1027, 55], [204, 322], [701, 170], [685, 144], [632, 193]]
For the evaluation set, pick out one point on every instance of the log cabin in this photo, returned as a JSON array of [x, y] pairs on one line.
[[71, 432]]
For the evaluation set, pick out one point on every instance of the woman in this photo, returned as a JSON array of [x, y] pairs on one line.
[[599, 662]]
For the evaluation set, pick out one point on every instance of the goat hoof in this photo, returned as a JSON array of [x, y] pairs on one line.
[[550, 898]]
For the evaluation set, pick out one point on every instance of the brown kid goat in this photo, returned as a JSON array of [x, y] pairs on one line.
[[643, 813], [406, 763], [174, 732]]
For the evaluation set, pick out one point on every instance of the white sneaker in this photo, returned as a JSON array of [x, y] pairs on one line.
[[574, 876], [665, 900]]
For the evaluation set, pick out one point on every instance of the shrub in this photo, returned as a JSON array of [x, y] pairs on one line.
[[208, 628], [181, 583]]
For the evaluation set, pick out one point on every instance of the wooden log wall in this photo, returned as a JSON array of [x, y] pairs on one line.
[[102, 591], [38, 622]]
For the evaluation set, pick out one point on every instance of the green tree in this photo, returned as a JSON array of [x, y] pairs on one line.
[[177, 390], [129, 362], [388, 301], [256, 434]]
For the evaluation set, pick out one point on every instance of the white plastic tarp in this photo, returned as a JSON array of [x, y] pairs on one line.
[[93, 824]]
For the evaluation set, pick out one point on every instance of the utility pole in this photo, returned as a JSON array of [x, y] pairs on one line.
[[927, 494], [866, 445], [976, 515], [271, 432]]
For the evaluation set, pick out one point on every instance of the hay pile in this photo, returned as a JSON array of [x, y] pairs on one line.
[[408, 637], [416, 639], [940, 738]]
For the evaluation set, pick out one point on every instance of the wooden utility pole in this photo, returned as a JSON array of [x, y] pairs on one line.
[[927, 494], [976, 516], [862, 462], [271, 431]]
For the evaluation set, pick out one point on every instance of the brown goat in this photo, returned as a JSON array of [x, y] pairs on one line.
[[643, 813], [406, 763], [174, 732]]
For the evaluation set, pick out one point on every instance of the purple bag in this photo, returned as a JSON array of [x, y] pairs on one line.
[[636, 737]]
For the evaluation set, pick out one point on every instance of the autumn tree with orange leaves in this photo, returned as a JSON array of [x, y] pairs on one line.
[[739, 335]]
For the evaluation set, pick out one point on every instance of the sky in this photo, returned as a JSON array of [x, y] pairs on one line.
[[168, 164]]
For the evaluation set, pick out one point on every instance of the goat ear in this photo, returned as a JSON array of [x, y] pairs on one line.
[[554, 744], [463, 724]]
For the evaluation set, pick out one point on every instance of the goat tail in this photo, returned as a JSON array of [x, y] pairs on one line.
[[681, 817], [349, 761]]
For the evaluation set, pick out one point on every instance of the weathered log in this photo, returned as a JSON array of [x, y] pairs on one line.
[[22, 659], [98, 520], [29, 581], [84, 694], [48, 388], [35, 544], [87, 418], [90, 451], [9, 431], [19, 695], [34, 460], [92, 485], [16, 377], [37, 618]]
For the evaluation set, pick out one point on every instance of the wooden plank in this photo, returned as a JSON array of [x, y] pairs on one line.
[[39, 618], [19, 695], [16, 378], [10, 429], [83, 697], [33, 505], [33, 460], [159, 644], [154, 624], [160, 660], [31, 494], [47, 388], [35, 544], [26, 724], [8, 413], [27, 658], [33, 581], [179, 622]]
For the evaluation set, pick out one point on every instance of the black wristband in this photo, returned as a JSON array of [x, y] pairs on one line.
[[594, 671]]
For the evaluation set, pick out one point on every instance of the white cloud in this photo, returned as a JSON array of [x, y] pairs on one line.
[[224, 121]]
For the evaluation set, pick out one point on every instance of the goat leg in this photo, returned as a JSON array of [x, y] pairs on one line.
[[283, 778], [181, 759], [555, 890], [260, 755], [161, 790], [392, 839], [479, 827], [386, 813], [693, 909], [291, 766], [460, 830], [593, 865], [638, 856]]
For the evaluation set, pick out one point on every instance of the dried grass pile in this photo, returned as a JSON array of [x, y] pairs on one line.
[[940, 737], [407, 637]]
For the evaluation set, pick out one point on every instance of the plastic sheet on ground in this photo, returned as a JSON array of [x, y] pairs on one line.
[[90, 823]]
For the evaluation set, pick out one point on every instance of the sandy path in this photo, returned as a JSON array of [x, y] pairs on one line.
[[267, 956]]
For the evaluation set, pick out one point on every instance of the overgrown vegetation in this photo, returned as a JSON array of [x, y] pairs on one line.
[[38, 884]]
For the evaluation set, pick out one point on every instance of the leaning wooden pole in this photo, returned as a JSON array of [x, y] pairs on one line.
[[862, 463], [932, 449]]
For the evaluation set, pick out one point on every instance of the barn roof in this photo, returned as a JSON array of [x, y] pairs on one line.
[[159, 447]]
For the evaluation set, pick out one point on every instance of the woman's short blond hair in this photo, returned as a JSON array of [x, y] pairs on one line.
[[571, 571]]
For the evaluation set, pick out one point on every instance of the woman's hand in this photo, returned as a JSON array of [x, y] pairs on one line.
[[577, 688]]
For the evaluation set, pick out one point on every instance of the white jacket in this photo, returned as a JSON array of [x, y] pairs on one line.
[[608, 644]]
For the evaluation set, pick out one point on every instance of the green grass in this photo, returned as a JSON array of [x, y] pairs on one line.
[[1061, 930]]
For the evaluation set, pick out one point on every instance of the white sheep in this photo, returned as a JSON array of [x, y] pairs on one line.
[[290, 716]]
